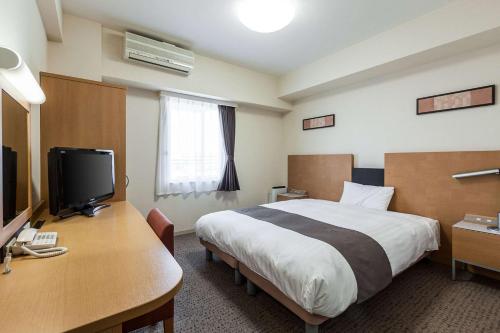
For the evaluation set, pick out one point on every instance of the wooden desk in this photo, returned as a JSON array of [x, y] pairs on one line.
[[116, 269]]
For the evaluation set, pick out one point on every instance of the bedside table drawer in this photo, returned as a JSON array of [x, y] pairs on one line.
[[476, 247]]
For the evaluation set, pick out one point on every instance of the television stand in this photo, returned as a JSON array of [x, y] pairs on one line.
[[90, 210], [87, 210]]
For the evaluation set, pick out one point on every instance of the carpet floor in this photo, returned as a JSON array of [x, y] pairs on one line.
[[422, 299]]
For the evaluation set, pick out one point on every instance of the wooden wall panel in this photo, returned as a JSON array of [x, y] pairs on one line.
[[322, 176], [84, 114], [424, 186]]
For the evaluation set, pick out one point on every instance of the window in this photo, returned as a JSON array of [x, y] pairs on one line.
[[191, 155]]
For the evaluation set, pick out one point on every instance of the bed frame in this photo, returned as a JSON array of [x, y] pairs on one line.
[[254, 282], [323, 177], [423, 186]]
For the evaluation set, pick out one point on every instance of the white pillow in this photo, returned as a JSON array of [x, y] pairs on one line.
[[376, 197]]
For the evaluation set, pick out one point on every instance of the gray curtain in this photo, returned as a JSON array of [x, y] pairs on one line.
[[229, 181]]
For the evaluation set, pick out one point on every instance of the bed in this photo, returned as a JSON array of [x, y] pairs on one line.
[[311, 273], [289, 249]]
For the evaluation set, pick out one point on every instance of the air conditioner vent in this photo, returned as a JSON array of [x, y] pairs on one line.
[[160, 54]]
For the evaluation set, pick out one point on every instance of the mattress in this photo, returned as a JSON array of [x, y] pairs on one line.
[[311, 272]]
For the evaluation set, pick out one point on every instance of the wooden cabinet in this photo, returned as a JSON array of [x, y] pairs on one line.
[[476, 245], [83, 114]]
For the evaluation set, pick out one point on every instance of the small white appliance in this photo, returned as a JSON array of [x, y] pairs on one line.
[[157, 53], [273, 195]]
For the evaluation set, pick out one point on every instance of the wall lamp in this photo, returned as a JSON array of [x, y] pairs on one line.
[[477, 174], [15, 71]]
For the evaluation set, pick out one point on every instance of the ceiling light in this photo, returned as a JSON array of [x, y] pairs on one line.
[[15, 71], [266, 15]]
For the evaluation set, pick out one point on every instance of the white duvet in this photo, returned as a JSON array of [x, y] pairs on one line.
[[310, 272]]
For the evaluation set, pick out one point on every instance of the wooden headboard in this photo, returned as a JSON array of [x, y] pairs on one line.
[[424, 186], [322, 176]]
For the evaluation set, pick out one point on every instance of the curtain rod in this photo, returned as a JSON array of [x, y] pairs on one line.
[[198, 98]]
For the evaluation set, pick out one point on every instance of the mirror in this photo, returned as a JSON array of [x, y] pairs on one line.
[[15, 159]]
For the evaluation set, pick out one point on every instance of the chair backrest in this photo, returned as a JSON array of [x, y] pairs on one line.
[[162, 227]]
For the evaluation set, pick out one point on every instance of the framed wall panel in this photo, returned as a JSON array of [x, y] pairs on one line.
[[457, 100], [318, 122]]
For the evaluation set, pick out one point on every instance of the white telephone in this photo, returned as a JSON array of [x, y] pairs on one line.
[[32, 242], [37, 244]]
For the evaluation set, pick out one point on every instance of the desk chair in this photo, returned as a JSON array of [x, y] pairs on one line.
[[164, 229]]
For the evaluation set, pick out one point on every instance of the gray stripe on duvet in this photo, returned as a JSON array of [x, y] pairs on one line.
[[367, 258]]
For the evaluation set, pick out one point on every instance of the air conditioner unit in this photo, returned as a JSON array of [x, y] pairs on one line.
[[159, 54]]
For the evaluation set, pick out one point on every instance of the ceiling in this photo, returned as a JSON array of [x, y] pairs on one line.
[[211, 27]]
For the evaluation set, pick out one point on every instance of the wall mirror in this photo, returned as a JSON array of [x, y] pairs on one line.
[[15, 173]]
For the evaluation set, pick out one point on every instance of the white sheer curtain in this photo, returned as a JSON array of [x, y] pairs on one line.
[[191, 156]]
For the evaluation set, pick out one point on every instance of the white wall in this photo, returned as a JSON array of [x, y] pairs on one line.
[[79, 54], [210, 77], [460, 26], [380, 116], [21, 29], [90, 52], [372, 118], [259, 159]]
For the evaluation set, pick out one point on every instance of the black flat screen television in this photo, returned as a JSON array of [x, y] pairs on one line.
[[79, 179], [9, 184]]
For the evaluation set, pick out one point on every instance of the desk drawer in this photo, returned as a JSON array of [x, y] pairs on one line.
[[476, 247]]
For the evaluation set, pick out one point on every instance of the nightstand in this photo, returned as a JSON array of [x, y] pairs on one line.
[[474, 244], [291, 196]]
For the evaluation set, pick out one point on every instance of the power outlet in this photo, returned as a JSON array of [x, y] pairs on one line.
[[480, 219]]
